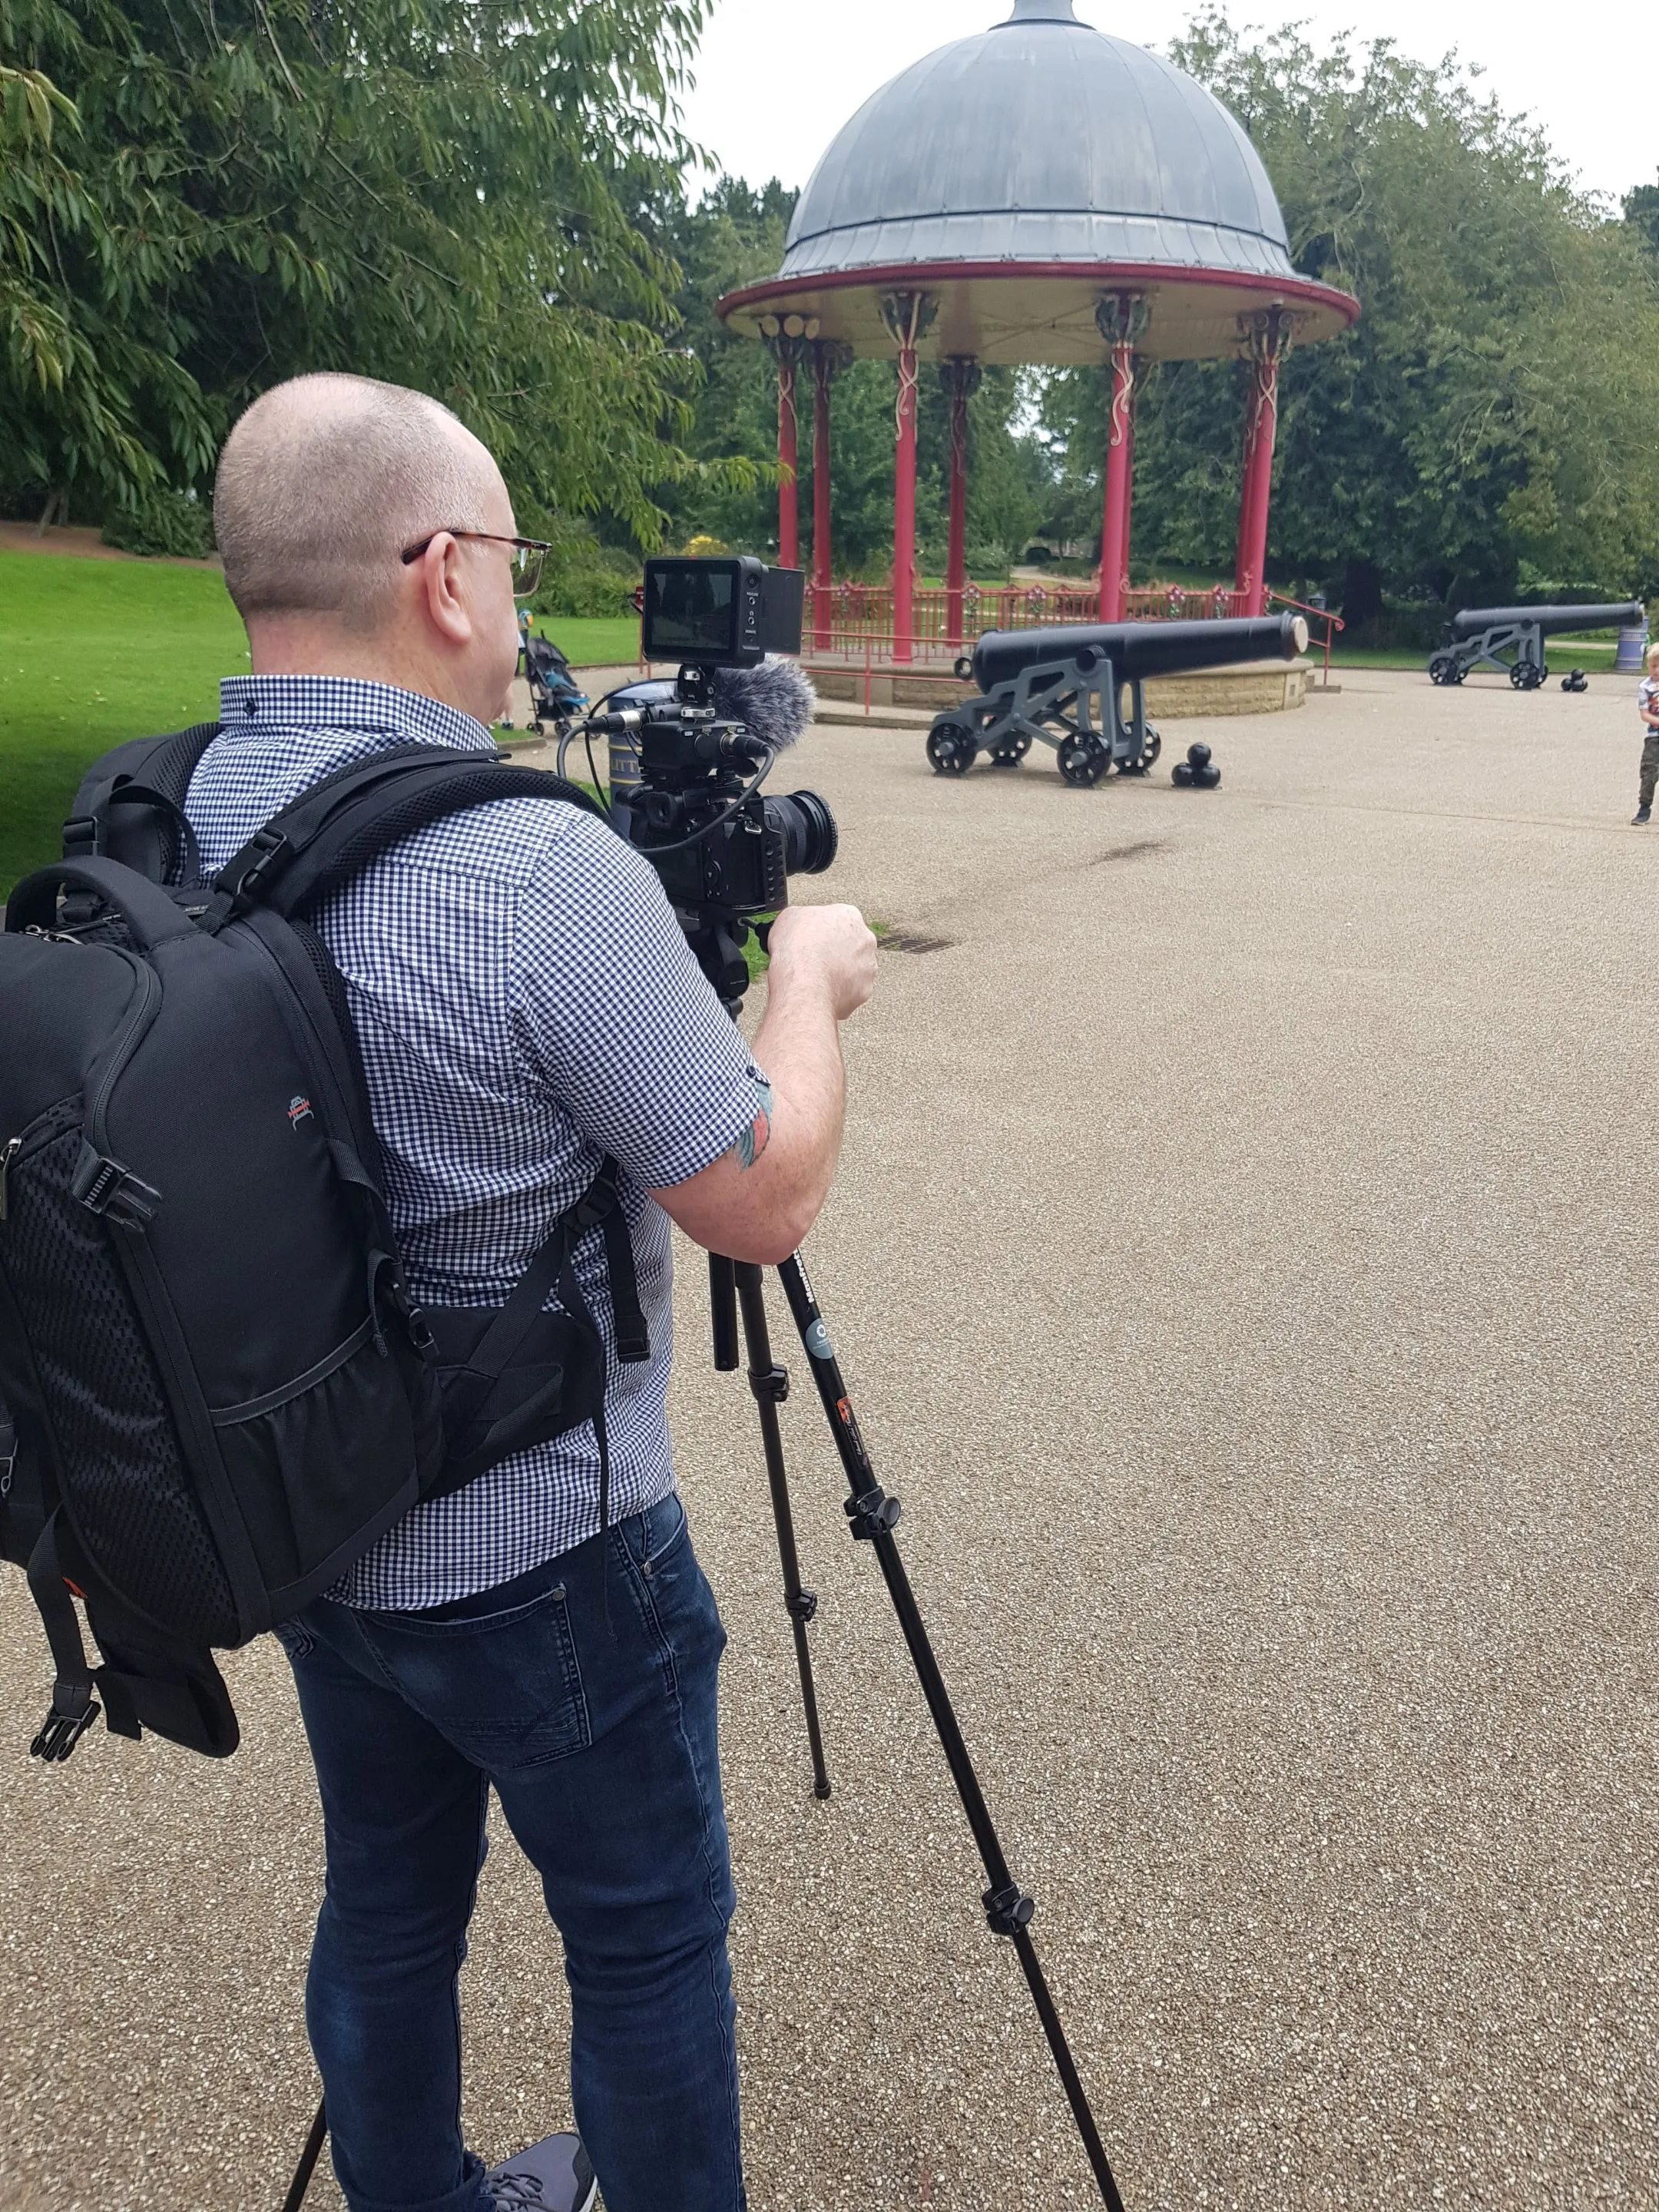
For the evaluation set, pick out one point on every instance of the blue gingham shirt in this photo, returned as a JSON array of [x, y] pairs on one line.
[[526, 1003]]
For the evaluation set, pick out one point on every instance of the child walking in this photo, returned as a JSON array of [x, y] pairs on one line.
[[1647, 706]]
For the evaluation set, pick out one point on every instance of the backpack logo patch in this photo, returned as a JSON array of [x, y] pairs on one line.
[[299, 1109]]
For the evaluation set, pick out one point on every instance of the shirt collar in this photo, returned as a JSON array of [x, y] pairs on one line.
[[346, 703]]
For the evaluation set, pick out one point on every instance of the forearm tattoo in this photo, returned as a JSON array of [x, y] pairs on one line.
[[754, 1140]]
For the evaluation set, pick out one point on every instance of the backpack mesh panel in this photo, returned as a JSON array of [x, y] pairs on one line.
[[121, 1474]]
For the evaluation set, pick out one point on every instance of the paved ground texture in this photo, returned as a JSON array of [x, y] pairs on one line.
[[1243, 1259]]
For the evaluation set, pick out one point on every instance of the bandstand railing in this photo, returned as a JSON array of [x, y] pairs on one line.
[[855, 621]]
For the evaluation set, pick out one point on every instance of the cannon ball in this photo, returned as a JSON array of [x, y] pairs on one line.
[[1198, 772]]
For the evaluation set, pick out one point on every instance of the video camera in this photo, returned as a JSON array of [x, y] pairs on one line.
[[707, 742]]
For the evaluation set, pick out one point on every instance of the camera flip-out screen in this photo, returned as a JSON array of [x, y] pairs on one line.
[[722, 614]]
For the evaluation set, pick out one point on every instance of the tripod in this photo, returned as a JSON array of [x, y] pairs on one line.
[[737, 1286]]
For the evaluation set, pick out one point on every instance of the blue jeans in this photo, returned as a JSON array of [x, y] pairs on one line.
[[584, 1693]]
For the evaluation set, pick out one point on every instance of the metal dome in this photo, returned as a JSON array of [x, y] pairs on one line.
[[1040, 140], [1015, 175]]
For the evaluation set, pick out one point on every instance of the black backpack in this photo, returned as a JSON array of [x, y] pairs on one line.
[[217, 1392]]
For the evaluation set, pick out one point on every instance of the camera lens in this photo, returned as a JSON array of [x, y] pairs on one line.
[[808, 831]]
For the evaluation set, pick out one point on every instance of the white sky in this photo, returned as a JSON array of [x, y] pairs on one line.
[[778, 78]]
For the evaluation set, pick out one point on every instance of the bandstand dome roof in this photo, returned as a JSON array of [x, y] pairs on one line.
[[1016, 175]]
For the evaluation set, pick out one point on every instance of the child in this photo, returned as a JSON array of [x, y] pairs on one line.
[[1647, 706]]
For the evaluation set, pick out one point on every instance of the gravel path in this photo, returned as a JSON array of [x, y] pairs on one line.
[[1243, 1262]]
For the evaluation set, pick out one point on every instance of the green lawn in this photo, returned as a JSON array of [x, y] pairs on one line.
[[594, 641], [92, 652]]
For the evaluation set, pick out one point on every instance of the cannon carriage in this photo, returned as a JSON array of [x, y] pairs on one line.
[[1512, 641], [1064, 688]]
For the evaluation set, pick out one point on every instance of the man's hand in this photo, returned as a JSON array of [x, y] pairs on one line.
[[831, 944], [757, 1201]]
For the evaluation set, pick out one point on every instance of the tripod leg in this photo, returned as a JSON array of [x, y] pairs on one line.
[[307, 2165], [874, 1515], [723, 1311], [770, 1385]]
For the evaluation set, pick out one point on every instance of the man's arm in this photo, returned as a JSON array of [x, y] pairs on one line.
[[757, 1200]]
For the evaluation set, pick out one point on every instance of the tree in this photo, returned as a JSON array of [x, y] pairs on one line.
[[1641, 209], [236, 191]]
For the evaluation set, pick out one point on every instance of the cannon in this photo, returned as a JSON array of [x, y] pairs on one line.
[[1511, 640], [1065, 687]]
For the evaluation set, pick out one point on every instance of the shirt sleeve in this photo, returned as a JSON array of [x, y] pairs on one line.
[[613, 1016]]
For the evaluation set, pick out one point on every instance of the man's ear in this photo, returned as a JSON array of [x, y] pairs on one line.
[[438, 574]]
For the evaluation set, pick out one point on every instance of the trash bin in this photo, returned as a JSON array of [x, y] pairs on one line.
[[1632, 647]]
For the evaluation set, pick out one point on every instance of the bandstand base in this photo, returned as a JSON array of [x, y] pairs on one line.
[[1247, 689]]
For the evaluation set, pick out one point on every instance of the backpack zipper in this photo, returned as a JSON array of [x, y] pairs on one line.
[[40, 1131], [146, 999]]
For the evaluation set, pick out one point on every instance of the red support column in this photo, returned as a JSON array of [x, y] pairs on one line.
[[1121, 320], [961, 378], [1128, 495], [829, 357], [787, 339], [788, 463], [1267, 339], [908, 316]]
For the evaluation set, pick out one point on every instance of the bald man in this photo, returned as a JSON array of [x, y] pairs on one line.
[[525, 1005]]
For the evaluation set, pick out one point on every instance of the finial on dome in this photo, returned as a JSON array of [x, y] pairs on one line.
[[1042, 11]]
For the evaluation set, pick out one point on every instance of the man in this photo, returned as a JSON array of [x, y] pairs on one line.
[[526, 1004]]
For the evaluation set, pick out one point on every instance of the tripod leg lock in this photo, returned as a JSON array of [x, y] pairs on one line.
[[1008, 1910], [872, 1514], [804, 1606], [770, 1385]]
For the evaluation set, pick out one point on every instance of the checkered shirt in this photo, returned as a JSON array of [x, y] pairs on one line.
[[526, 1003]]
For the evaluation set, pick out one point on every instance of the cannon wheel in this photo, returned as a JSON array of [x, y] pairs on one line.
[[951, 749], [1009, 752], [1443, 669], [1527, 676], [1154, 746], [1084, 762]]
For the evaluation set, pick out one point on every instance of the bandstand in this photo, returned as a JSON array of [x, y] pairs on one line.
[[1039, 193]]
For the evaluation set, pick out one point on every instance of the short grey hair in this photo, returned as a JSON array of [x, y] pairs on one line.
[[322, 484]]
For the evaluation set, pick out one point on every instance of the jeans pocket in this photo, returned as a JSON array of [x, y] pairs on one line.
[[676, 1589], [505, 1690], [295, 1639]]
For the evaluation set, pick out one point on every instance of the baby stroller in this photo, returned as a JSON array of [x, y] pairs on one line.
[[554, 696]]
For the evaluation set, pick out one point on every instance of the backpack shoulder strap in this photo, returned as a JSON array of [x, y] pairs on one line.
[[334, 830], [130, 804]]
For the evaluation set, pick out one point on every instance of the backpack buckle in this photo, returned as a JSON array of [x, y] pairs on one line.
[[62, 1730], [271, 850], [81, 837], [105, 1186]]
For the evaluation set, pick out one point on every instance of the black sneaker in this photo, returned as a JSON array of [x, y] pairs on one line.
[[1639, 819], [554, 2175]]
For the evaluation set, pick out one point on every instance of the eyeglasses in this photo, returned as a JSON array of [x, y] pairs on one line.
[[528, 553]]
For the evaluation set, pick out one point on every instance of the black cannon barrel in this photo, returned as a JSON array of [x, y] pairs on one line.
[[1625, 614], [1149, 648]]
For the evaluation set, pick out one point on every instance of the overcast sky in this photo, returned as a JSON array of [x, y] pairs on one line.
[[777, 78]]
